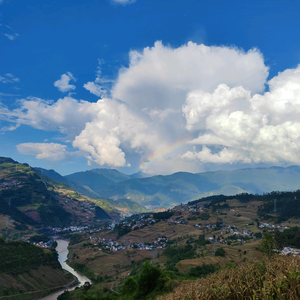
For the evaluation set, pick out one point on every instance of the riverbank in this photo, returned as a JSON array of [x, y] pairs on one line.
[[62, 250]]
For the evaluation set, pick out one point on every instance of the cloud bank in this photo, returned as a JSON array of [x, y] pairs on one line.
[[213, 98]]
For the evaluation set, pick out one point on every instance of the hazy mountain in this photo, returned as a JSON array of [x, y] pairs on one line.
[[73, 185], [112, 174], [131, 195], [139, 175], [124, 206], [166, 191], [97, 179]]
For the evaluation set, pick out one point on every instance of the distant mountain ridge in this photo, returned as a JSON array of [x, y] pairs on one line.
[[76, 187], [128, 194], [169, 190], [85, 181]]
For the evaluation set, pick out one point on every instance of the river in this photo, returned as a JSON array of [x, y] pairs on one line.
[[62, 250]]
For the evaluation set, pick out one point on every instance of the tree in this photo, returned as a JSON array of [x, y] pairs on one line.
[[220, 252], [148, 279], [129, 288], [267, 244]]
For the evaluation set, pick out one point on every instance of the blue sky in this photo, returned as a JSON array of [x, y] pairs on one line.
[[183, 85]]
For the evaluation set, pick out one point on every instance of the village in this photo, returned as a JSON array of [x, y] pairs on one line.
[[112, 245], [10, 184]]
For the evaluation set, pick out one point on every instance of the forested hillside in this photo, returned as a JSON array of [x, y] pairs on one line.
[[29, 271]]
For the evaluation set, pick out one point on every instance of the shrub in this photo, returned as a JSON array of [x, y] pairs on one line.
[[220, 252], [202, 271], [148, 279], [130, 286]]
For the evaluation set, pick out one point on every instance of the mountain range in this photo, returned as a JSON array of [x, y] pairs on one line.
[[42, 191], [166, 191]]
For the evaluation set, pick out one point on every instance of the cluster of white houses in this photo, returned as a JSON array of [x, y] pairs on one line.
[[70, 229], [272, 226], [112, 245], [138, 221], [290, 251], [9, 184]]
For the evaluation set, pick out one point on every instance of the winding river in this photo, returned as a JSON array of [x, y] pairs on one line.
[[62, 250]]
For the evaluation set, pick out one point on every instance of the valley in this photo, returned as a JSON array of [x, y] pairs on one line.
[[113, 246]]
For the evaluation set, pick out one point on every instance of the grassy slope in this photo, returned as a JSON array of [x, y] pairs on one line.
[[277, 278]]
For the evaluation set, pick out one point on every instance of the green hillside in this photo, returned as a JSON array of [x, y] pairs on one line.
[[111, 174], [75, 186], [124, 206], [96, 182]]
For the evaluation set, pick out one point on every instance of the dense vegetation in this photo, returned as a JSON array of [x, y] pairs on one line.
[[150, 282], [163, 215], [54, 214], [288, 238], [202, 271], [176, 253], [19, 257]]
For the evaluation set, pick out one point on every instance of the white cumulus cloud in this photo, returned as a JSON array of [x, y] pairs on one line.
[[113, 125], [63, 83], [178, 109], [244, 128], [160, 77], [49, 151], [67, 115]]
